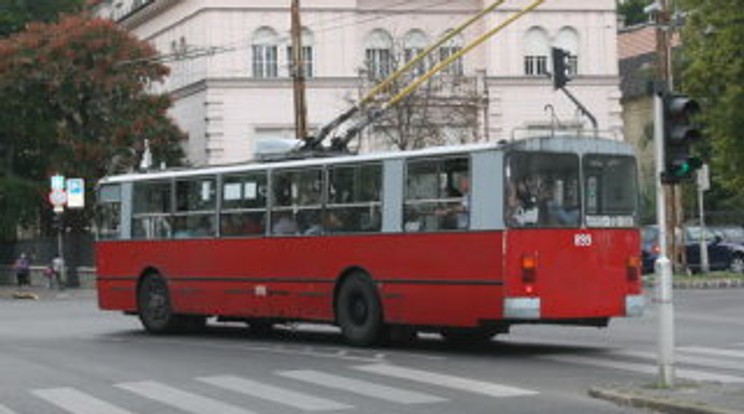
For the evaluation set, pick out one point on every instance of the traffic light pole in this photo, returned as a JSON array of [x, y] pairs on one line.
[[663, 265]]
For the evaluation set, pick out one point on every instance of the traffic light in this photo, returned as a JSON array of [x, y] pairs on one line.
[[560, 67], [680, 133]]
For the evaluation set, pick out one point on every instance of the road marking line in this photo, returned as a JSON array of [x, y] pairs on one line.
[[180, 399], [77, 402], [645, 368], [447, 381], [688, 359], [275, 394], [365, 388], [712, 351], [6, 410]]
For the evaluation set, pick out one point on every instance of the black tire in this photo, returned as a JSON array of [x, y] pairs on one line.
[[359, 311], [154, 306]]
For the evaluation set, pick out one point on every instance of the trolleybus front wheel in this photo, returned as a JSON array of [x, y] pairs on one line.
[[359, 311]]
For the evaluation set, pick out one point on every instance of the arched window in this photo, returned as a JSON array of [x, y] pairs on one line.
[[379, 54], [308, 40], [448, 49], [414, 43], [264, 49], [536, 50], [568, 40]]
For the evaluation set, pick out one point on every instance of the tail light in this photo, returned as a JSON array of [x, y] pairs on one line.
[[633, 268], [529, 272]]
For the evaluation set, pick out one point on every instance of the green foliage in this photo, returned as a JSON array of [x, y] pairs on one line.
[[16, 195], [713, 48], [632, 11], [15, 14], [74, 99]]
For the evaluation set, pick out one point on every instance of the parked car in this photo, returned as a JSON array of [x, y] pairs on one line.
[[723, 253]]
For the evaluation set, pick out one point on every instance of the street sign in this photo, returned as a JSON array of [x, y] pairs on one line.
[[703, 178], [58, 198], [75, 193], [58, 182]]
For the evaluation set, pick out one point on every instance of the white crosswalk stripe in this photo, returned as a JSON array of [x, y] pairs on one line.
[[681, 358], [646, 368], [76, 402], [278, 395], [360, 387], [183, 400], [447, 381], [712, 351]]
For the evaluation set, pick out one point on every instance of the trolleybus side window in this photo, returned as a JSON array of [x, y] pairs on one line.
[[196, 202], [109, 212], [243, 204], [151, 210], [354, 199], [437, 194], [610, 191], [297, 201], [542, 190]]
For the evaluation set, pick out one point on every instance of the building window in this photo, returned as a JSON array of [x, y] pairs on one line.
[[379, 55], [536, 50], [413, 44], [307, 60], [568, 40], [264, 50], [535, 65], [307, 57], [448, 49]]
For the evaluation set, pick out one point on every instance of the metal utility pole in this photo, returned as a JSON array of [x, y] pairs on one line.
[[664, 197], [298, 73]]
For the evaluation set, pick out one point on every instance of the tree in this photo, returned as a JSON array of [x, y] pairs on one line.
[[713, 58], [632, 11], [74, 99], [15, 14], [444, 110]]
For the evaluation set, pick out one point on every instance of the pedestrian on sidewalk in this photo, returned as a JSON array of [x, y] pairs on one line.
[[23, 270]]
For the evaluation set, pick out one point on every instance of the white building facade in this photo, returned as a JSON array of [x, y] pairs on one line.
[[230, 65]]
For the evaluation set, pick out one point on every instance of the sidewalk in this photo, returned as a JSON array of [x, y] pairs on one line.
[[35, 292], [685, 398]]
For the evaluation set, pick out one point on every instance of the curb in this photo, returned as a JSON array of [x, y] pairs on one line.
[[661, 404]]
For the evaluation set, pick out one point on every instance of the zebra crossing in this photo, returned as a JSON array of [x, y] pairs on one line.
[[692, 363], [349, 389], [181, 399]]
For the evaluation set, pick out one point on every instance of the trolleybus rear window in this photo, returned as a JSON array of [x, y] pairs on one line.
[[610, 191], [542, 190]]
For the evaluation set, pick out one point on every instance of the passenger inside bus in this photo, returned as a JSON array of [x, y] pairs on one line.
[[284, 224]]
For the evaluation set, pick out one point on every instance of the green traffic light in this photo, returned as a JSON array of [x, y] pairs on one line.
[[691, 165]]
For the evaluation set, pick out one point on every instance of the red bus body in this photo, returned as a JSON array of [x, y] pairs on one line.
[[458, 279], [434, 280]]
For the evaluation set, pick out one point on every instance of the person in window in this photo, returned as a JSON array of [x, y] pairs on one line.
[[457, 216], [284, 225]]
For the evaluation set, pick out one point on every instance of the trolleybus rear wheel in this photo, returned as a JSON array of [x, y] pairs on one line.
[[154, 307], [359, 311]]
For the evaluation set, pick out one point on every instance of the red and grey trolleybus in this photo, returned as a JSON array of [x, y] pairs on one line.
[[464, 240]]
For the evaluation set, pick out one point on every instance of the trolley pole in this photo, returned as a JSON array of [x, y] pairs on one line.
[[663, 265]]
